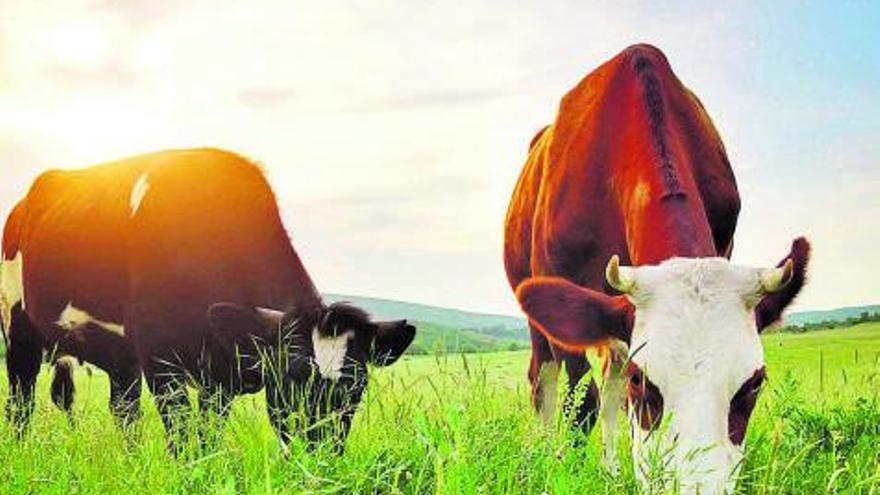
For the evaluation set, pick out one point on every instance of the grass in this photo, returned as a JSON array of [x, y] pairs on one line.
[[462, 424]]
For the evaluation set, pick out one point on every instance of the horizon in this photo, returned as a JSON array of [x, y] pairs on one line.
[[393, 134], [523, 317]]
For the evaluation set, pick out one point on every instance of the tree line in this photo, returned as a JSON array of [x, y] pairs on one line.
[[864, 317]]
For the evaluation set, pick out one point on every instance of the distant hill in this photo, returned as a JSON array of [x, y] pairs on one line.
[[456, 330], [451, 330], [839, 314]]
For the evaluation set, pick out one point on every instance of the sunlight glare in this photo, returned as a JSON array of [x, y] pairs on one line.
[[82, 45]]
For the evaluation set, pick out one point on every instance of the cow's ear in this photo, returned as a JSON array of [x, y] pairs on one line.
[[793, 275], [572, 316], [232, 323], [392, 339]]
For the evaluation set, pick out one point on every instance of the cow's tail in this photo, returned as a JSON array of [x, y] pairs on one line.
[[63, 388]]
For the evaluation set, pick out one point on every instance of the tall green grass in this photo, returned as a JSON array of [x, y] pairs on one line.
[[462, 424]]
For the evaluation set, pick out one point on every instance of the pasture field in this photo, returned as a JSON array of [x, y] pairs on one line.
[[455, 424]]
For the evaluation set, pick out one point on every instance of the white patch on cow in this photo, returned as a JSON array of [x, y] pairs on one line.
[[695, 339], [138, 192], [548, 390], [72, 318], [11, 288], [330, 353]]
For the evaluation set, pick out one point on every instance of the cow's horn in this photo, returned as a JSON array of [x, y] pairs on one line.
[[620, 278], [775, 279]]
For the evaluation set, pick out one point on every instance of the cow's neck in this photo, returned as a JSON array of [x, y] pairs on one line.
[[296, 279], [663, 211], [661, 224]]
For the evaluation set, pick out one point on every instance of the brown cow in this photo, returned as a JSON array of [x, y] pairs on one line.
[[176, 265], [633, 167]]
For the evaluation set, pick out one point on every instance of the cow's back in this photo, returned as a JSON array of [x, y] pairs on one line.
[[627, 138]]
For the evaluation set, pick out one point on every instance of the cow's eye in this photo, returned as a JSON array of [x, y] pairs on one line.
[[741, 406], [756, 383], [636, 379], [645, 398]]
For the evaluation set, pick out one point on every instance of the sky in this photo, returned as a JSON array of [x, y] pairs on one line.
[[393, 132]]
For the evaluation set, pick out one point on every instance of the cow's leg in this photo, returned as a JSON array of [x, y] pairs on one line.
[[114, 354], [23, 358], [169, 389], [62, 390], [330, 412], [613, 397], [543, 376], [584, 406], [125, 395], [345, 420], [280, 404], [215, 403]]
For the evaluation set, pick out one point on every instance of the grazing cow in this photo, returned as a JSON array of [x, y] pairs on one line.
[[175, 265], [632, 171]]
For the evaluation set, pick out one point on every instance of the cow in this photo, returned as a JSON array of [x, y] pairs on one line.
[[618, 238], [175, 266]]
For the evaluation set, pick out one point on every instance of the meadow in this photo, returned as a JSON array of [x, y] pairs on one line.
[[462, 424]]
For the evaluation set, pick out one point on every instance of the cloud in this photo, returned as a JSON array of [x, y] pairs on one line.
[[265, 97], [443, 99]]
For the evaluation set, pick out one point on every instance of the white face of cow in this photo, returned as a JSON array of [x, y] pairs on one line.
[[696, 365]]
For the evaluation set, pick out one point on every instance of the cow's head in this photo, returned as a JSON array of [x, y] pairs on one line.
[[696, 360], [313, 362]]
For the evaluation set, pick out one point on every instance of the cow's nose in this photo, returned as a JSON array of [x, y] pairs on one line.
[[706, 472]]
